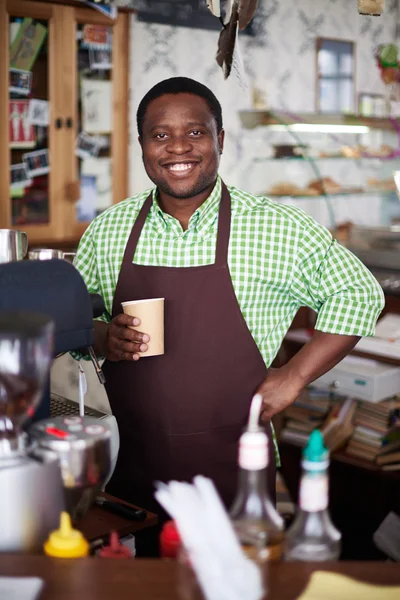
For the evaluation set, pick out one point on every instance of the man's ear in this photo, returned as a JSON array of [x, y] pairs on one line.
[[221, 137]]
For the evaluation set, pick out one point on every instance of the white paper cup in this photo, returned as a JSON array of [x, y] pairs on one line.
[[151, 314]]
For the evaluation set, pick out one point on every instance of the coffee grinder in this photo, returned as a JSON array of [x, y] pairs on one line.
[[31, 491]]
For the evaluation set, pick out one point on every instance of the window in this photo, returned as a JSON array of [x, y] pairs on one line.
[[335, 76]]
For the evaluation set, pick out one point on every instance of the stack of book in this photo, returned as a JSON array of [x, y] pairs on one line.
[[389, 454], [372, 423], [307, 413]]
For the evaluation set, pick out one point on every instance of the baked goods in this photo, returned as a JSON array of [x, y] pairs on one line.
[[290, 189], [326, 185], [386, 185], [284, 189]]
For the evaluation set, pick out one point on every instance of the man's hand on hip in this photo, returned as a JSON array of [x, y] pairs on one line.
[[282, 386], [278, 390]]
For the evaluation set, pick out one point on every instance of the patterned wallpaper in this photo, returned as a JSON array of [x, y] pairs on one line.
[[282, 60]]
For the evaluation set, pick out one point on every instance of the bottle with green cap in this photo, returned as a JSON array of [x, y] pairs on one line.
[[312, 536]]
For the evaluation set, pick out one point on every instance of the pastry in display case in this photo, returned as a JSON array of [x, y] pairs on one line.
[[338, 168]]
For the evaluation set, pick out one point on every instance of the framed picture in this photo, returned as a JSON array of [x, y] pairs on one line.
[[21, 133], [100, 59], [19, 176], [37, 163], [20, 82]]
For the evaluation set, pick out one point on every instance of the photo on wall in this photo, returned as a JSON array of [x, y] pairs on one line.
[[87, 145], [21, 133], [19, 176], [38, 113], [96, 106], [20, 82], [37, 163], [100, 59]]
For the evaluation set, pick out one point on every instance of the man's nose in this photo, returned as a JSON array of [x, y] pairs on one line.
[[179, 144]]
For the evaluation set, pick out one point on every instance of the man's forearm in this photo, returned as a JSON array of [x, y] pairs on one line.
[[319, 355], [100, 335]]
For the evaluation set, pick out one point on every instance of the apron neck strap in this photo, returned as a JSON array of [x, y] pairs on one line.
[[224, 227], [137, 229]]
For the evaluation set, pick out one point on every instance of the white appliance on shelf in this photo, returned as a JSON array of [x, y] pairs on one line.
[[362, 378]]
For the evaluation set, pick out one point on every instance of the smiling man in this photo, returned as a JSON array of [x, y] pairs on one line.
[[233, 269]]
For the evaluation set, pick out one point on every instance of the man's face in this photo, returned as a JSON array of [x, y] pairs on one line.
[[180, 144]]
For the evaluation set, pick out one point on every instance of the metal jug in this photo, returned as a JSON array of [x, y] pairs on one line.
[[83, 446], [13, 245], [50, 253]]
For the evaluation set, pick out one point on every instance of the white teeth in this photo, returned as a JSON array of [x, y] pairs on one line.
[[180, 167]]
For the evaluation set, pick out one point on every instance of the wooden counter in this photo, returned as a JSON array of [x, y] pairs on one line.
[[100, 579], [98, 522]]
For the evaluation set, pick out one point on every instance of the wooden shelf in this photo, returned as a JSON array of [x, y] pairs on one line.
[[344, 193], [254, 118], [319, 158]]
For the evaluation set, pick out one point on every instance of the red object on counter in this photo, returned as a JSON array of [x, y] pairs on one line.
[[115, 549], [170, 540], [57, 432]]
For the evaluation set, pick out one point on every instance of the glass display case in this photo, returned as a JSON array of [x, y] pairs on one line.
[[338, 168]]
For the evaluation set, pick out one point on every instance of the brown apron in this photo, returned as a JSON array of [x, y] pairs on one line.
[[181, 414]]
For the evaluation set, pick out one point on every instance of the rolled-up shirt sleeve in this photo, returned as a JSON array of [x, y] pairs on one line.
[[334, 282], [85, 263]]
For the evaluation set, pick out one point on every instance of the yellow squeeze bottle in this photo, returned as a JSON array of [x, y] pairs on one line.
[[66, 542]]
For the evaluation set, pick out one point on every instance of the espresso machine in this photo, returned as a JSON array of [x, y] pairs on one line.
[[69, 457]]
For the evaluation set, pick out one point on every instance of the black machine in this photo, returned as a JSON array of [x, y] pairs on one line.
[[54, 288]]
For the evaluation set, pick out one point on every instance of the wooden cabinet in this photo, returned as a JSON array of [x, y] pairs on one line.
[[45, 205]]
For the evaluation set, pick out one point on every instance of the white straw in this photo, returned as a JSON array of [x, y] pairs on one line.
[[222, 569], [255, 410]]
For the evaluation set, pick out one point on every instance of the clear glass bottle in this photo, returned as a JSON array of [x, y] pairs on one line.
[[312, 536], [257, 524]]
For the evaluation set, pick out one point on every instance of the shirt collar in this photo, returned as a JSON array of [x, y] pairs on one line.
[[201, 220]]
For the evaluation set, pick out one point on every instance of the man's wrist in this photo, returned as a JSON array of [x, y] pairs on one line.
[[293, 377]]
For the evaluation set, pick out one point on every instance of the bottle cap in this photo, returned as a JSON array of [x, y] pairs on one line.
[[170, 540], [253, 444], [253, 450], [66, 542], [315, 454], [115, 549]]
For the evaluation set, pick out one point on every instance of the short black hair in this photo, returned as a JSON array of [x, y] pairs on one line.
[[179, 85]]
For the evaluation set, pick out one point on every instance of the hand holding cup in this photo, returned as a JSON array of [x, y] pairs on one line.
[[124, 341]]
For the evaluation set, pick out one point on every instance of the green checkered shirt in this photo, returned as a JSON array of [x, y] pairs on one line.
[[279, 259]]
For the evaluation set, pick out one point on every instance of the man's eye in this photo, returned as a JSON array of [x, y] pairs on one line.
[[195, 132], [160, 136]]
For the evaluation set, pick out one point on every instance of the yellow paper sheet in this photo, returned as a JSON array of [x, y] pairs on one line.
[[332, 586]]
